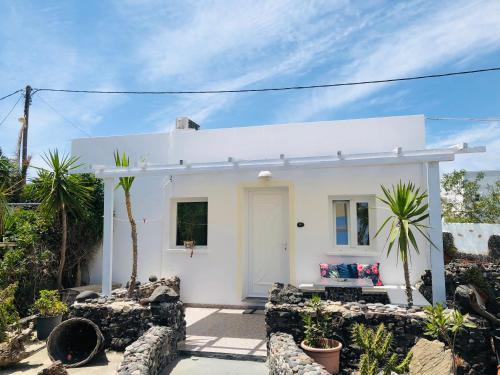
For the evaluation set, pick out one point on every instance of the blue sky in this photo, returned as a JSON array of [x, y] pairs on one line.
[[159, 45]]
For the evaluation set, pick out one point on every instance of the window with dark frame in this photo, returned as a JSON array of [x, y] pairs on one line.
[[192, 220], [347, 213]]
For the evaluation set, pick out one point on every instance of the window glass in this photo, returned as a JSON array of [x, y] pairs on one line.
[[192, 218], [341, 222], [362, 223]]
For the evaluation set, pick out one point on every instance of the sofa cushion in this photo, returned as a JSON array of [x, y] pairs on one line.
[[370, 271], [329, 271]]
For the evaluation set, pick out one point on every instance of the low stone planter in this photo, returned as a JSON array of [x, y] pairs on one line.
[[285, 357], [122, 320], [150, 354], [407, 325]]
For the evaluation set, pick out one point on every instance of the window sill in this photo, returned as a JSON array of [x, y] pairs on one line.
[[353, 252], [184, 251]]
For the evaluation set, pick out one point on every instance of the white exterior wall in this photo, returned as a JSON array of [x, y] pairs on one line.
[[217, 274], [472, 238]]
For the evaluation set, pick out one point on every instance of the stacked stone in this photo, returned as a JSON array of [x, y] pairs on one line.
[[150, 354], [407, 325], [456, 270], [285, 357], [122, 320], [146, 289]]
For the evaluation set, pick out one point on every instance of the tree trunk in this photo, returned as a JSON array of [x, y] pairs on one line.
[[409, 295], [78, 276], [62, 255], [133, 228]]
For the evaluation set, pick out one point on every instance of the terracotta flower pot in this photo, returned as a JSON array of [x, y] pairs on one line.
[[329, 358]]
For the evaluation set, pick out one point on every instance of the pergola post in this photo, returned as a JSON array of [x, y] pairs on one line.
[[107, 240], [435, 233]]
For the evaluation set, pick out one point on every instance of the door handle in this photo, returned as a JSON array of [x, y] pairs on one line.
[[285, 246]]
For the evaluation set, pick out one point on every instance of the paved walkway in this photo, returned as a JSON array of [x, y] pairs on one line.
[[226, 332], [106, 365], [215, 366]]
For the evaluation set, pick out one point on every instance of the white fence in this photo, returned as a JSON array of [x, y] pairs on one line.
[[472, 238]]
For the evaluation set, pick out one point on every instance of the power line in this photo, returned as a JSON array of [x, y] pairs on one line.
[[64, 117], [14, 106], [12, 93], [276, 88], [472, 119]]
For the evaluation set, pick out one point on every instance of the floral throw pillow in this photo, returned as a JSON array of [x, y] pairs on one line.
[[329, 271], [370, 271]]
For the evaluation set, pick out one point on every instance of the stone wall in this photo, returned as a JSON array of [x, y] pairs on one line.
[[150, 354], [145, 290], [406, 324], [122, 320], [456, 273], [285, 357]]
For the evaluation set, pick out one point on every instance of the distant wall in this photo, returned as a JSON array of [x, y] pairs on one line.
[[472, 238]]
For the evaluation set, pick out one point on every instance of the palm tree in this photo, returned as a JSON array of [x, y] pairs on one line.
[[126, 184], [61, 193], [409, 210]]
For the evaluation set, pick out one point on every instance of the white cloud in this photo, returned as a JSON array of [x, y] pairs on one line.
[[475, 135], [430, 41]]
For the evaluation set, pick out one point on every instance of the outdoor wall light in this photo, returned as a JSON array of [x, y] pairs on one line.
[[265, 175]]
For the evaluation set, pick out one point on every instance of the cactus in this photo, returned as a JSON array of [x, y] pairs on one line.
[[376, 346]]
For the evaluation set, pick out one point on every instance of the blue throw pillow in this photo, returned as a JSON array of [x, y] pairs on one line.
[[353, 270], [348, 271]]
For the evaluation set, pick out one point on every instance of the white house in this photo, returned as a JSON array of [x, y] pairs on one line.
[[264, 203]]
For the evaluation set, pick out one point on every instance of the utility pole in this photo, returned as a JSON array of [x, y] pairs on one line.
[[24, 163]]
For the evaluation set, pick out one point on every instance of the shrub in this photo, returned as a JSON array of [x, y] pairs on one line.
[[8, 311], [31, 262], [376, 345], [315, 324], [494, 246], [49, 303], [445, 325], [449, 245]]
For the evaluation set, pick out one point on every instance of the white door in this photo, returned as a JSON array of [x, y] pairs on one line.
[[267, 240]]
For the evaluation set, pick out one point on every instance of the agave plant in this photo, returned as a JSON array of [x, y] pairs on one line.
[[409, 210], [126, 184], [61, 193]]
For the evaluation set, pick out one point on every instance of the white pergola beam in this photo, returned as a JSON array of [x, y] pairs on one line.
[[330, 161], [107, 240]]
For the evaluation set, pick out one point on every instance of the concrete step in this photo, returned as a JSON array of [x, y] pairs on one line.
[[183, 352]]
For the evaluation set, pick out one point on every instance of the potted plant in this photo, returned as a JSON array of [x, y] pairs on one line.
[[323, 350], [50, 311], [190, 243]]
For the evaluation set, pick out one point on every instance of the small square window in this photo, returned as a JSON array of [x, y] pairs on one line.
[[192, 223]]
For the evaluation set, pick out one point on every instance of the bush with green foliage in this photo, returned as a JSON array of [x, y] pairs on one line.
[[49, 304], [444, 325], [376, 346], [31, 262], [463, 201], [8, 311], [316, 324]]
